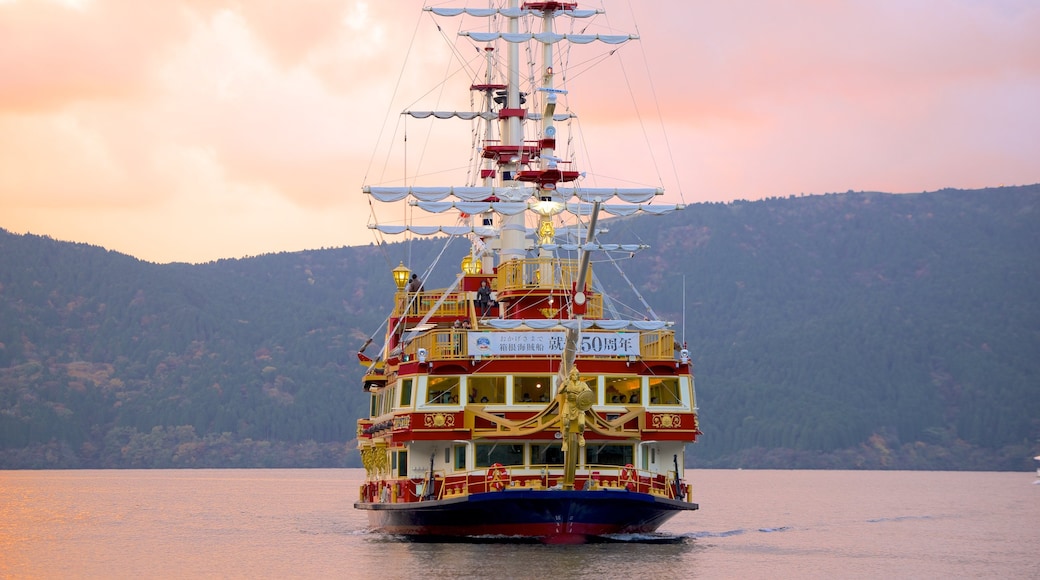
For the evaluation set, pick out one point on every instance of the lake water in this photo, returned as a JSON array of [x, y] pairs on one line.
[[301, 524]]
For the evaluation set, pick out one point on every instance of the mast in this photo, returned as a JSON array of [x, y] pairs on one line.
[[513, 228], [487, 171], [574, 395]]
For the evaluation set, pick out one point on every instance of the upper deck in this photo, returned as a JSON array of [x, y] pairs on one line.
[[529, 313]]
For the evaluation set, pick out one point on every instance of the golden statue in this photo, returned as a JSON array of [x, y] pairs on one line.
[[577, 398], [546, 231]]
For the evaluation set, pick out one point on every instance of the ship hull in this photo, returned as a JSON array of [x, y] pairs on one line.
[[550, 516]]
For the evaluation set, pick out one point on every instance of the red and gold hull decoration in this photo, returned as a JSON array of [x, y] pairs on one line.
[[666, 421], [439, 420]]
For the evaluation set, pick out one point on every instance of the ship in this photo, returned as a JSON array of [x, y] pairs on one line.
[[516, 402]]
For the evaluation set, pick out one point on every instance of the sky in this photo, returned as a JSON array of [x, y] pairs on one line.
[[195, 130]]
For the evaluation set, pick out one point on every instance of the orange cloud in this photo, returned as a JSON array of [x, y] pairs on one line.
[[200, 129], [52, 54]]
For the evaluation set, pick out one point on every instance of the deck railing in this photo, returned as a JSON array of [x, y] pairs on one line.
[[538, 273], [419, 303], [499, 478]]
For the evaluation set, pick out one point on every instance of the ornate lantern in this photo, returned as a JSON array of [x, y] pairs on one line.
[[401, 276], [470, 266]]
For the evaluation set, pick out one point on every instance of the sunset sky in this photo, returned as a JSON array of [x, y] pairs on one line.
[[193, 130]]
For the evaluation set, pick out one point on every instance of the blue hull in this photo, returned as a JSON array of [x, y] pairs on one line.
[[552, 516]]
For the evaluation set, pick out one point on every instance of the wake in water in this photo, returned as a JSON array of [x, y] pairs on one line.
[[736, 532], [898, 519], [654, 538]]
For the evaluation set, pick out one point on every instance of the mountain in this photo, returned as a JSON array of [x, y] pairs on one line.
[[853, 330]]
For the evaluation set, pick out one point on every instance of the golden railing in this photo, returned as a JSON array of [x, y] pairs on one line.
[[540, 273], [657, 344], [419, 303], [534, 477]]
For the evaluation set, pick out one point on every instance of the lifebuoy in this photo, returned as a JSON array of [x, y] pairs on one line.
[[628, 477], [497, 477]]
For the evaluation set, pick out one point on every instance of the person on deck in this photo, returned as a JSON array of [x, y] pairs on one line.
[[483, 300], [415, 284]]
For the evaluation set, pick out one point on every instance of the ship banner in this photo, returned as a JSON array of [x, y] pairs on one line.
[[551, 343]]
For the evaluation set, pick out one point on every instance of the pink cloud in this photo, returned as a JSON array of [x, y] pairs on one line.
[[52, 54], [191, 118]]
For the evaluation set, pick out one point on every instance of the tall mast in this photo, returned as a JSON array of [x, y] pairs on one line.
[[487, 171], [513, 227], [547, 143]]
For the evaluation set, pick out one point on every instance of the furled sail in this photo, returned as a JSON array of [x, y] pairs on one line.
[[542, 323], [594, 246], [548, 37], [569, 232], [585, 194], [508, 12], [487, 115], [514, 208], [433, 230]]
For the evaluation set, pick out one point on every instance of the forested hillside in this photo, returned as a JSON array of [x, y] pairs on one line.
[[856, 330]]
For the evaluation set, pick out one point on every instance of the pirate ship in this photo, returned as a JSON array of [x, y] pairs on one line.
[[513, 402]]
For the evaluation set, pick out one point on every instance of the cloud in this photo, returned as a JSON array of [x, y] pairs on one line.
[[200, 129], [53, 54]]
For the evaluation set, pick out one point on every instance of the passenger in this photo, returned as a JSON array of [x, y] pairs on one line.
[[415, 285], [526, 398], [483, 301]]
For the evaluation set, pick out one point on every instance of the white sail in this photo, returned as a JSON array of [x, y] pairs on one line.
[[585, 209], [486, 115], [487, 231], [548, 37], [542, 323], [594, 246], [433, 230], [514, 208], [509, 12], [473, 207], [585, 194]]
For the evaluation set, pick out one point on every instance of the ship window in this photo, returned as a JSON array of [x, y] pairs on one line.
[[460, 458], [532, 389], [488, 454], [649, 458], [684, 384], [622, 390], [546, 454], [406, 393], [442, 391], [487, 390], [609, 454], [402, 463], [664, 391], [374, 407]]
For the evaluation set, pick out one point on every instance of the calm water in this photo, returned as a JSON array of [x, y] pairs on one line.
[[300, 523]]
